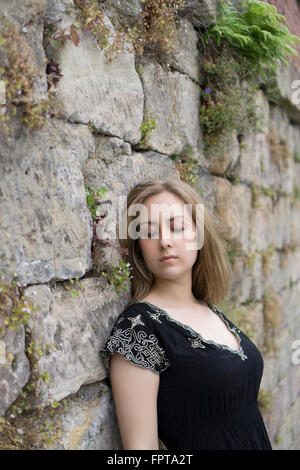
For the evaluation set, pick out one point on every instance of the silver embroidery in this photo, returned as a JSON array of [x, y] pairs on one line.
[[155, 316], [196, 343], [137, 346], [215, 309], [136, 321]]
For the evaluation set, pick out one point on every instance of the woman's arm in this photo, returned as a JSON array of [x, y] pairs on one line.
[[135, 396]]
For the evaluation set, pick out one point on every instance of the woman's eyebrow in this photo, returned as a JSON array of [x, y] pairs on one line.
[[153, 222]]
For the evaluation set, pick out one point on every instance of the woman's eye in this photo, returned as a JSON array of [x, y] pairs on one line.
[[156, 235], [148, 235]]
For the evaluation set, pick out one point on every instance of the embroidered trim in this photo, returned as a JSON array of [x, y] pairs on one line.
[[138, 347], [199, 338]]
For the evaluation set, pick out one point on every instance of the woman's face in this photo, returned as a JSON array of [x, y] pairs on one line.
[[173, 231]]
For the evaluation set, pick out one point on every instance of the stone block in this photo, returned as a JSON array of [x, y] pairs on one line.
[[74, 327], [108, 95], [14, 367], [45, 225], [172, 99]]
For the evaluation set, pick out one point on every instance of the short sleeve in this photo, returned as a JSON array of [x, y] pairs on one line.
[[134, 337]]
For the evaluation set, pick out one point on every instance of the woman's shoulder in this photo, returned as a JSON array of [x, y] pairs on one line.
[[136, 307], [134, 313]]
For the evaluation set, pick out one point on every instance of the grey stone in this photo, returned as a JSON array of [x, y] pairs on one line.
[[90, 422], [45, 225], [201, 13], [28, 16], [186, 56], [74, 327], [173, 101], [14, 367], [93, 90]]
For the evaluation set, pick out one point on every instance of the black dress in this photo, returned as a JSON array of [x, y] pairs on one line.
[[207, 397]]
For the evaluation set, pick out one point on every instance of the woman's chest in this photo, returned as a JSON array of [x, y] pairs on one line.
[[210, 326]]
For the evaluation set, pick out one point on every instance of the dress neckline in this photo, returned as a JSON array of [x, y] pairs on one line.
[[215, 310]]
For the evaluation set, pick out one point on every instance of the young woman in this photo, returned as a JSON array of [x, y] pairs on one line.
[[179, 369]]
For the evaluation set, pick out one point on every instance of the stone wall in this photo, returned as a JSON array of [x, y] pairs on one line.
[[46, 229]]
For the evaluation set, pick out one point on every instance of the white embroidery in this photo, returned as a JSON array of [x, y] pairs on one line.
[[136, 321], [138, 347], [155, 316], [196, 343], [215, 309]]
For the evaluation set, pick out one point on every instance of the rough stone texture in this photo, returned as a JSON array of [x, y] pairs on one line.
[[201, 12], [93, 90], [186, 57], [247, 282], [90, 422], [116, 168], [15, 370], [73, 326], [232, 206], [28, 15], [45, 225], [173, 100], [46, 228], [225, 160]]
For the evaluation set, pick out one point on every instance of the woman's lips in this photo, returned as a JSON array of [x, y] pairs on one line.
[[168, 260]]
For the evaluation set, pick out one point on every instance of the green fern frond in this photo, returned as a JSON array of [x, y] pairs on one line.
[[257, 33]]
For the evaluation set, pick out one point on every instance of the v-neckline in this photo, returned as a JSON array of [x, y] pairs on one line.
[[216, 311]]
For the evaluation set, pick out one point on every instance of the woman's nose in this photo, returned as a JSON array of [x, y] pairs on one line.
[[165, 238]]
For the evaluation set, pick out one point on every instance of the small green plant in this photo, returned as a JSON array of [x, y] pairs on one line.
[[92, 196], [15, 308], [233, 251], [296, 194], [241, 45], [262, 164], [146, 127], [296, 156], [119, 275], [19, 76], [74, 292], [271, 322], [256, 33], [265, 401], [256, 192], [267, 191], [229, 174], [187, 168], [55, 36], [239, 315], [249, 258], [153, 33], [24, 422], [279, 148], [227, 106], [267, 256]]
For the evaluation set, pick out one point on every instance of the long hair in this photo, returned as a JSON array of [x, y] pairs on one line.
[[211, 271]]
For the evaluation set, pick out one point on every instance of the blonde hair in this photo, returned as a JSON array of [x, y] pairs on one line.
[[211, 271]]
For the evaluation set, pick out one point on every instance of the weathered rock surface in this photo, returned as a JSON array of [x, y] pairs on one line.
[[14, 367], [45, 225], [74, 328]]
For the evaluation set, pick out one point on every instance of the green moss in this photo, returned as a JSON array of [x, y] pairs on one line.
[[24, 425], [186, 166], [267, 256], [240, 315], [257, 33], [19, 76], [272, 320], [265, 401]]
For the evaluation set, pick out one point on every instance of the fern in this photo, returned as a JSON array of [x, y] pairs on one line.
[[256, 33]]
